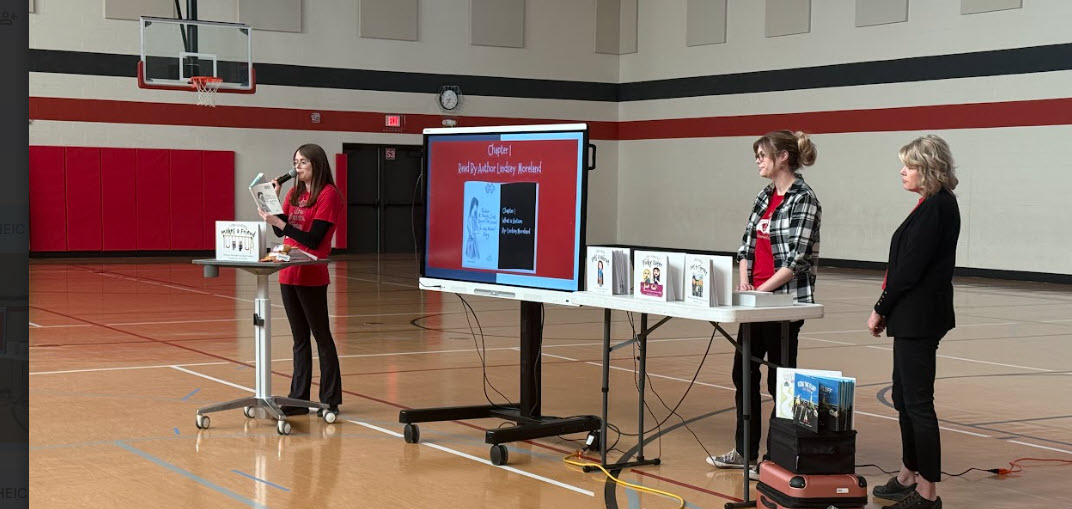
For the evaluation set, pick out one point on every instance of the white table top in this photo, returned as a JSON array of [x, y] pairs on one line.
[[721, 314]]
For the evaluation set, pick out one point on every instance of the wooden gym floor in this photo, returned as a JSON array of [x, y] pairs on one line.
[[123, 352]]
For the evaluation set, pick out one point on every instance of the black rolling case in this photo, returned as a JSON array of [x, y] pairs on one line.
[[803, 451]]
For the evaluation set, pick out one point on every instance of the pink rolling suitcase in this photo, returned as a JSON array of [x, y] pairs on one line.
[[781, 489]]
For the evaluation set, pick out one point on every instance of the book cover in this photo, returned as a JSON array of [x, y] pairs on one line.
[[806, 402], [240, 241], [264, 196], [786, 389], [500, 225], [699, 287], [835, 402], [600, 270], [649, 274]]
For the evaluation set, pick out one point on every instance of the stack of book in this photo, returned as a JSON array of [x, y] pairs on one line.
[[608, 270], [823, 402]]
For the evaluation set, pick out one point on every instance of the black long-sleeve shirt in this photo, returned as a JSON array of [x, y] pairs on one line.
[[311, 238]]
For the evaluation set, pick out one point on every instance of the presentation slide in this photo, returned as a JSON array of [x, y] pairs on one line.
[[505, 208]]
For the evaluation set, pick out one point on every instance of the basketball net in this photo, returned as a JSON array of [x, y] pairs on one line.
[[206, 87]]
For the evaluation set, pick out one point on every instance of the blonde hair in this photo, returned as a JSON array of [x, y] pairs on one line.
[[801, 150], [931, 156]]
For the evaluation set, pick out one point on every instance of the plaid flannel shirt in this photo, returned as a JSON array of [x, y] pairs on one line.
[[794, 237]]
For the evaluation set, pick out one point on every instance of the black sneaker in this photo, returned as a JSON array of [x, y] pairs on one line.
[[916, 501], [893, 490], [294, 410]]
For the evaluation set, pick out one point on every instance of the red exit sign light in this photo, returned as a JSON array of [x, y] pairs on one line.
[[392, 120]]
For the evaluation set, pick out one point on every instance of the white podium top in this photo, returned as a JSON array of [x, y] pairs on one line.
[[721, 314]]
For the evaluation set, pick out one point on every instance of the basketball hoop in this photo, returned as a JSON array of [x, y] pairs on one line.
[[206, 87]]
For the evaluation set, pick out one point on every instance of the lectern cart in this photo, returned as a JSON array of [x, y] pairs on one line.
[[262, 341], [526, 413], [715, 316]]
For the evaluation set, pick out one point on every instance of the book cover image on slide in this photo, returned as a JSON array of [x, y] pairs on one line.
[[500, 225]]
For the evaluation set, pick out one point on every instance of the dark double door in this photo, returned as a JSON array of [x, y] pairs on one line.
[[385, 203]]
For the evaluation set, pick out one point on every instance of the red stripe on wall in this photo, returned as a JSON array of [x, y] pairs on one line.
[[129, 112], [912, 118]]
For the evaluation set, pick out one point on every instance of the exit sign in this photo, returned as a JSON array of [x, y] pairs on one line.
[[392, 120]]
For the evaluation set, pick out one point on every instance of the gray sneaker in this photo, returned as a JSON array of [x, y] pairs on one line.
[[893, 490], [731, 459]]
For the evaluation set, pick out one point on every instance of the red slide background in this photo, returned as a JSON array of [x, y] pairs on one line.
[[557, 202]]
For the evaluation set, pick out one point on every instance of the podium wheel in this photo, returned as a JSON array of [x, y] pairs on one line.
[[283, 427], [411, 433], [330, 417], [202, 421], [249, 411], [499, 456]]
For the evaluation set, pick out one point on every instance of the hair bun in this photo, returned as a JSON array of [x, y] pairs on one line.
[[808, 153]]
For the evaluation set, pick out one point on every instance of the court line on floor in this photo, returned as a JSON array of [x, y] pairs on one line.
[[478, 460], [274, 485], [189, 475], [965, 359], [399, 435]]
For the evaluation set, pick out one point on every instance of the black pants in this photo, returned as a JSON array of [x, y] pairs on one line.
[[913, 397], [307, 310], [766, 340]]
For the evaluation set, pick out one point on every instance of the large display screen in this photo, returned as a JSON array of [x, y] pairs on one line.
[[506, 205]]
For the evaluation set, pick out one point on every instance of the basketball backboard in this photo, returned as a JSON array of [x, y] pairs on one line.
[[174, 50]]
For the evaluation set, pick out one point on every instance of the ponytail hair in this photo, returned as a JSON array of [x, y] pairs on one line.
[[797, 145]]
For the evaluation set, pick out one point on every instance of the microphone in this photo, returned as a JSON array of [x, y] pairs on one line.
[[287, 176]]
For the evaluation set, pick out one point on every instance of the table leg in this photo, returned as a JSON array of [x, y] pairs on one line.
[[603, 437], [745, 340]]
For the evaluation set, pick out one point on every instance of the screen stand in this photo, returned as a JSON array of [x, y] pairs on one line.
[[530, 423]]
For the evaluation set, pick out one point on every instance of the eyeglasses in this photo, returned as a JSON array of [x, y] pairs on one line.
[[301, 162]]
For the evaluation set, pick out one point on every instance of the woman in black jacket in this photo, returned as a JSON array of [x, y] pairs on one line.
[[916, 309]]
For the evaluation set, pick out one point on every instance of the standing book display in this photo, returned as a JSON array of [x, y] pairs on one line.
[[240, 241], [608, 270], [659, 275], [708, 280]]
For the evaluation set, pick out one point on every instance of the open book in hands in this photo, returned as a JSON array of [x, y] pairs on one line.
[[264, 195]]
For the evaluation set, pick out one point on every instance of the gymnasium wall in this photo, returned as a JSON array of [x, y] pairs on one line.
[[865, 91], [676, 94], [83, 94]]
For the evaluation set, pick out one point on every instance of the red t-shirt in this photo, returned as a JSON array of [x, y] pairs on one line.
[[328, 207], [763, 264]]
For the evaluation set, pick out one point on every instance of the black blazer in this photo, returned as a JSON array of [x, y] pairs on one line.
[[918, 299]]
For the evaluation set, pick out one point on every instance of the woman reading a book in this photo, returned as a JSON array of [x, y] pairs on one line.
[[916, 309], [311, 211], [778, 253]]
